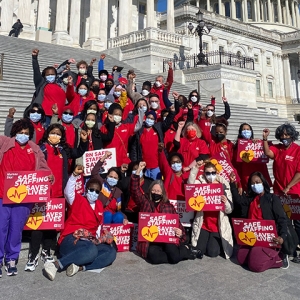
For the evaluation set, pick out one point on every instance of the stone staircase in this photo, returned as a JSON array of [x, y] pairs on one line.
[[16, 88]]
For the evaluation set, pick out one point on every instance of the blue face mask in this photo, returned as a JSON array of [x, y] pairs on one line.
[[92, 196], [176, 167], [35, 117], [22, 138], [82, 92], [101, 97], [50, 78], [141, 174], [107, 105], [117, 94], [144, 108], [257, 188], [247, 134], [67, 118], [111, 181], [149, 122]]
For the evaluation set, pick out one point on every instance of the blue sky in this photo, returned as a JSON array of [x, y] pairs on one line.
[[162, 5]]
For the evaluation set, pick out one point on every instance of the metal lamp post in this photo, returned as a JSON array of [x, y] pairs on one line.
[[201, 29]]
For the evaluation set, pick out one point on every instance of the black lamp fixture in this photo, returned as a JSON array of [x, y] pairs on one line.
[[201, 29]]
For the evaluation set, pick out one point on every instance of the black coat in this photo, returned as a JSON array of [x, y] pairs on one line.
[[271, 208]]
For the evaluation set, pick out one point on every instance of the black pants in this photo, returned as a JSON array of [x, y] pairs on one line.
[[162, 253], [132, 216], [45, 237], [14, 31], [210, 243]]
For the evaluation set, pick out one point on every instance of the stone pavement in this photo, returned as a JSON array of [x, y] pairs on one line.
[[132, 278]]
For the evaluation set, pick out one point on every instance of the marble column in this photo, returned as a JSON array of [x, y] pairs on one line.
[[245, 11], [279, 11], [124, 16], [287, 12], [104, 22], [75, 22], [233, 10], [297, 14], [258, 16], [151, 18], [287, 77], [24, 14], [170, 16], [220, 7], [7, 10], [270, 15], [61, 35], [208, 5], [94, 42], [42, 33], [293, 14]]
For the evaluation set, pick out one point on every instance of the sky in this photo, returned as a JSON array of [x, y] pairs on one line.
[[162, 5]]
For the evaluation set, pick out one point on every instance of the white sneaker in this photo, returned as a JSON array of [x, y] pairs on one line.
[[46, 256], [32, 264], [50, 270], [72, 270]]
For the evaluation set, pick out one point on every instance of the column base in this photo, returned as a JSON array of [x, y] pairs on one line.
[[62, 38], [93, 44], [43, 35], [27, 32]]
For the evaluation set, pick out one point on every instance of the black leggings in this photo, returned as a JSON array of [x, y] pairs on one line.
[[209, 243], [45, 237], [163, 253]]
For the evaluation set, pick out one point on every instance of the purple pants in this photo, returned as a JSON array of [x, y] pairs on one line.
[[259, 259], [12, 220]]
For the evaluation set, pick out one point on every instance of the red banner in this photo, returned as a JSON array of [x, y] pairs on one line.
[[122, 234], [291, 205], [224, 166], [250, 152], [256, 233], [204, 197], [50, 215], [157, 227], [26, 187]]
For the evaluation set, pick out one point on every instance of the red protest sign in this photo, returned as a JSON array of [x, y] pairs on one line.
[[26, 187], [185, 216], [157, 227], [90, 158], [204, 197], [122, 234], [49, 215], [291, 205], [224, 166], [251, 152], [256, 233]]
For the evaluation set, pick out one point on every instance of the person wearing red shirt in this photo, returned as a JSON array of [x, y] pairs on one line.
[[158, 86], [56, 152], [212, 233], [259, 204], [48, 92], [100, 99], [17, 153], [190, 145], [156, 201], [80, 247]]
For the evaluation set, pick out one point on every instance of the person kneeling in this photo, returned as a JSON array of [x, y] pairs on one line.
[[80, 250], [156, 201]]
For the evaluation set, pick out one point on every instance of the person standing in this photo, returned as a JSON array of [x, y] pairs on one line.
[[16, 28]]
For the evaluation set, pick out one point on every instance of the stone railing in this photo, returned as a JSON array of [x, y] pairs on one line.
[[147, 34], [291, 36]]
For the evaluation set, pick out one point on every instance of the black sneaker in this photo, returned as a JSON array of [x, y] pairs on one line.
[[296, 260], [195, 253], [285, 262], [46, 256], [11, 269]]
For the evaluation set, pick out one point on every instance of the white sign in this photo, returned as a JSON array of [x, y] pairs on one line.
[[90, 158], [185, 217]]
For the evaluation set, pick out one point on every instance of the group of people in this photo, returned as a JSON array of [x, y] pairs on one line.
[[161, 145]]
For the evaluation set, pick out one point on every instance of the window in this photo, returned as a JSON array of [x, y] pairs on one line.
[[249, 9], [221, 49], [268, 61], [256, 58], [275, 12], [216, 8], [258, 92], [270, 89], [227, 9], [239, 54], [205, 46], [142, 9], [238, 8]]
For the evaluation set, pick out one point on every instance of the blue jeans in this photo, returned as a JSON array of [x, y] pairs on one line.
[[85, 254], [153, 173], [109, 218]]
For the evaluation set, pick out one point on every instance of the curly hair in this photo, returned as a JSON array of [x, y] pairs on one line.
[[48, 68], [287, 128], [222, 122], [20, 125], [92, 181], [82, 62], [175, 154]]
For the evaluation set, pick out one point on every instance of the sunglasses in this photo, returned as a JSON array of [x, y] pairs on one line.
[[93, 190], [210, 173], [211, 110], [68, 113], [32, 111]]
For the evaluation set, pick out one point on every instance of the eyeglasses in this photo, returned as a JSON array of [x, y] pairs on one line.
[[94, 190], [68, 113], [210, 173]]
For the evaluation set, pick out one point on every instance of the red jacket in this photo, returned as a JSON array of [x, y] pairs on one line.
[[82, 216], [146, 205]]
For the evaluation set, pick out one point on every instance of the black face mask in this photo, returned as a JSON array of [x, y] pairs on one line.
[[286, 142], [156, 198], [220, 136], [95, 89], [108, 88]]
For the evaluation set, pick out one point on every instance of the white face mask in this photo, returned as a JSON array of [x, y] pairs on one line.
[[158, 84], [90, 123], [211, 178], [82, 71], [154, 105], [107, 105], [209, 113], [91, 111], [141, 173], [117, 119], [103, 77], [194, 99], [65, 81], [145, 92]]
